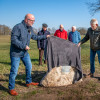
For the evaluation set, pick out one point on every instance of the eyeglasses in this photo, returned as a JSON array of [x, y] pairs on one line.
[[31, 20]]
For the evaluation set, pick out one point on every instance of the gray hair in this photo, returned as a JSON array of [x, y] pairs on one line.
[[74, 27], [93, 21]]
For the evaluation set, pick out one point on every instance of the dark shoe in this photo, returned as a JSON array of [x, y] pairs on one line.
[[32, 83], [90, 75], [13, 92]]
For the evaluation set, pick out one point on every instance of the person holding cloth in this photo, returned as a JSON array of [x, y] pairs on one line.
[[42, 44], [93, 34], [20, 40]]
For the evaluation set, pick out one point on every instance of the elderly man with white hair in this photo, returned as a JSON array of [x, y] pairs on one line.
[[61, 33], [93, 34], [74, 36]]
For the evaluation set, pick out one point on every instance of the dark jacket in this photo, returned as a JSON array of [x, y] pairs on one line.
[[42, 43], [20, 37], [62, 52], [94, 36]]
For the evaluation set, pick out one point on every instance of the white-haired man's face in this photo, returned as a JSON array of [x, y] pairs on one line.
[[73, 29], [94, 26]]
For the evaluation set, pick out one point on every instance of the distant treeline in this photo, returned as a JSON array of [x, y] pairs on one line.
[[5, 30], [82, 30]]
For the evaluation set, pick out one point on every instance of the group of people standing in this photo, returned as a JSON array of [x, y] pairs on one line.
[[74, 36], [20, 40]]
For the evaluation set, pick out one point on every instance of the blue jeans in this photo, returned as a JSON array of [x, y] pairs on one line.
[[14, 69], [92, 59]]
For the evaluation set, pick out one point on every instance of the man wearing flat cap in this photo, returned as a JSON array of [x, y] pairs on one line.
[[42, 43]]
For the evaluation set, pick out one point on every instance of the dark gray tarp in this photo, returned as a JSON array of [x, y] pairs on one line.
[[62, 52]]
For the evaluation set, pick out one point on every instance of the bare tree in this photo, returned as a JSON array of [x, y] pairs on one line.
[[35, 30], [94, 7], [49, 29], [82, 30], [39, 29], [4, 30], [53, 30]]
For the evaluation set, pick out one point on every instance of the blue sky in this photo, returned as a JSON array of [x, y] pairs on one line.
[[52, 12]]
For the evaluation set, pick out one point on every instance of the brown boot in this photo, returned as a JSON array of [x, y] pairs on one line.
[[13, 92], [40, 56], [90, 75]]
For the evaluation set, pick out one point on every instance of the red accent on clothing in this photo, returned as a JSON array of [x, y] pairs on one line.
[[61, 34]]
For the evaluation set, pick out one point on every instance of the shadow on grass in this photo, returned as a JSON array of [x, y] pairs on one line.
[[4, 80], [85, 76], [6, 63], [2, 88], [36, 60], [97, 78], [38, 75]]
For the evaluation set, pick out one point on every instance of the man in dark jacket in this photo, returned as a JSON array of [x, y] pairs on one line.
[[93, 34], [20, 39], [42, 43]]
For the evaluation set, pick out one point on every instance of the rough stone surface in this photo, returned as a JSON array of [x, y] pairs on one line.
[[59, 77]]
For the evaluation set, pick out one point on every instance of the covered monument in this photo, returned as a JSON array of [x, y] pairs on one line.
[[64, 63]]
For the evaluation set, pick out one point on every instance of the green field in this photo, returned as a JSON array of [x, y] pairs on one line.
[[89, 89]]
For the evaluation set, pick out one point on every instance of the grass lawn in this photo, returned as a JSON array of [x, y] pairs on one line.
[[89, 89]]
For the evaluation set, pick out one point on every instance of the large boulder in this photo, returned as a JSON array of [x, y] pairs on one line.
[[59, 76]]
